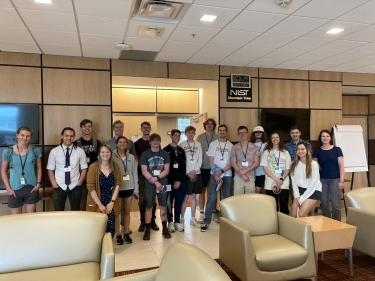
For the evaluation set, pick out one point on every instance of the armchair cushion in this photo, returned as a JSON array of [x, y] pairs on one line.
[[363, 199], [275, 253]]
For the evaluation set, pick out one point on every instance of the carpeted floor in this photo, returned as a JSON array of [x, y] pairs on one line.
[[334, 267]]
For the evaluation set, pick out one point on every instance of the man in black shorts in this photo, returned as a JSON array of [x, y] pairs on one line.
[[155, 168]]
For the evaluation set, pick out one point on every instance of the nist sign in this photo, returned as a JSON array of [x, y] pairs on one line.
[[239, 91]]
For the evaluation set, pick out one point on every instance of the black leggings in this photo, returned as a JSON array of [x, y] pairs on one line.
[[176, 196], [281, 200]]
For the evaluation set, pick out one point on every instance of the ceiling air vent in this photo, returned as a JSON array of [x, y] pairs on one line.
[[150, 32], [159, 9]]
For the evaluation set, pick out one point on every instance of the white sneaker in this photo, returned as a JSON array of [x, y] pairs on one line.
[[201, 218], [193, 222], [171, 227], [179, 227]]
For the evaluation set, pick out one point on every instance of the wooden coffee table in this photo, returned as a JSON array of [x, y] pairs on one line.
[[331, 234]]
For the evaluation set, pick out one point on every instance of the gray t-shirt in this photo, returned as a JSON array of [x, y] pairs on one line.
[[155, 161], [205, 140]]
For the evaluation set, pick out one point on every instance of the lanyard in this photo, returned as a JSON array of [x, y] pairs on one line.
[[222, 151], [278, 159], [244, 154], [23, 164], [124, 162], [192, 151], [260, 148], [208, 143]]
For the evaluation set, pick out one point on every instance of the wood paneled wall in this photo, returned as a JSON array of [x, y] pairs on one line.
[[355, 105]]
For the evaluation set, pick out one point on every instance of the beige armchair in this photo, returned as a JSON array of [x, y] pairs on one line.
[[361, 213], [257, 243], [55, 246], [181, 262]]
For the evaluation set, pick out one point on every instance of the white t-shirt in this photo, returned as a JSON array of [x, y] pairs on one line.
[[221, 153], [193, 152], [277, 162], [261, 146]]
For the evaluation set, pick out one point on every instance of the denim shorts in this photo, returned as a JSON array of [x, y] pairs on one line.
[[23, 196]]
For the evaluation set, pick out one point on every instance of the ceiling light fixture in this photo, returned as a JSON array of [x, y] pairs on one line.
[[283, 3], [208, 18], [43, 1], [123, 46], [335, 30]]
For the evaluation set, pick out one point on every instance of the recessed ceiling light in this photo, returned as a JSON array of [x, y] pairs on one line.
[[335, 30], [43, 1], [208, 18]]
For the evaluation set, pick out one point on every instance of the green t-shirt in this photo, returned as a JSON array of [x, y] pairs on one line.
[[15, 167]]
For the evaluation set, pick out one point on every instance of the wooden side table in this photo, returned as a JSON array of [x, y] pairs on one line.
[[330, 234]]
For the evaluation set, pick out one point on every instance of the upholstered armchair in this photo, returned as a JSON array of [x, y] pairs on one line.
[[181, 262], [55, 246], [361, 213], [258, 243]]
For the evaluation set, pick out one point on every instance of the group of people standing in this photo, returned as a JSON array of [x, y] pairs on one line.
[[104, 177]]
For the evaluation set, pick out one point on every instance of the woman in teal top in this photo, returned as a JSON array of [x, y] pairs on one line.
[[21, 171]]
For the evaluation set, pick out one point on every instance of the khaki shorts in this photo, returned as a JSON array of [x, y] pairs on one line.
[[242, 187]]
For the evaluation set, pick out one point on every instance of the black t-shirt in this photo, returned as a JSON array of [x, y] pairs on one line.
[[177, 170], [141, 146], [155, 161], [91, 149]]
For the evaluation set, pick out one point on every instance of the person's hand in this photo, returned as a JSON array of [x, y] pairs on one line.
[[11, 192], [217, 176], [153, 180], [55, 186], [158, 186], [36, 188], [341, 185], [136, 196], [219, 181], [245, 178], [242, 172], [193, 178], [109, 207], [176, 185], [279, 183], [102, 208]]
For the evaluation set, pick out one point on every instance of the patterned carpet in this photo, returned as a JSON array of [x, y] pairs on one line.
[[334, 267]]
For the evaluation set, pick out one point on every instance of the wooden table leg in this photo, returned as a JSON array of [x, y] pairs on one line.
[[316, 261]]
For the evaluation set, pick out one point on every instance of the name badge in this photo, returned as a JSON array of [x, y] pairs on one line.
[[68, 169], [23, 181], [175, 165], [278, 172], [192, 162], [207, 153], [88, 159], [126, 178], [156, 173], [166, 188], [245, 164]]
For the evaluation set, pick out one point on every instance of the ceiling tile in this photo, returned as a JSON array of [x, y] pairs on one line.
[[62, 6], [201, 34], [182, 46], [46, 37], [271, 7], [348, 27], [366, 49], [222, 45], [15, 35], [144, 44], [364, 13], [296, 26], [5, 3], [328, 9], [61, 50], [19, 47], [292, 65], [338, 46], [98, 52], [99, 8], [49, 20], [263, 63], [234, 4], [195, 12], [365, 34], [91, 40], [255, 21], [101, 26], [9, 18], [173, 56]]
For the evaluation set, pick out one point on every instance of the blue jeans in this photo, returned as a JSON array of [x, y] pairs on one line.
[[331, 198], [212, 196]]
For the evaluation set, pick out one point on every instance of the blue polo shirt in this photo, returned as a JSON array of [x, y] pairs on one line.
[[292, 148], [328, 161]]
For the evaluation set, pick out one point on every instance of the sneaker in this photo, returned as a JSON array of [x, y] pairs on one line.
[[128, 239], [154, 226], [141, 227], [201, 218], [179, 227], [204, 227], [119, 240], [171, 227], [146, 235], [193, 222], [166, 234]]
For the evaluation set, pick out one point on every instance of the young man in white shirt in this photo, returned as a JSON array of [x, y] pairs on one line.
[[67, 167], [221, 172], [193, 152]]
